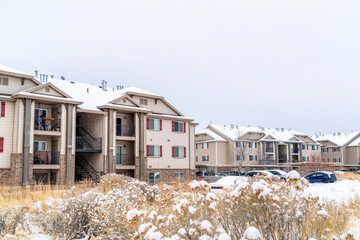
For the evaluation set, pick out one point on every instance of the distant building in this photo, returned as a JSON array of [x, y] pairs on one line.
[[223, 147], [57, 131]]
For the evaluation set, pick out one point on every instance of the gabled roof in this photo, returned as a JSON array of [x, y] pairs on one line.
[[12, 71], [52, 86], [339, 139], [212, 134], [234, 132]]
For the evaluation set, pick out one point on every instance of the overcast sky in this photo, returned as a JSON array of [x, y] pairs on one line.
[[293, 64]]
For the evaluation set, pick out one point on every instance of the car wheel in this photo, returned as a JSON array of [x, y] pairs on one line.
[[325, 180]]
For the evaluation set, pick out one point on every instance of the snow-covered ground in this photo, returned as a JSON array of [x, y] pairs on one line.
[[339, 191]]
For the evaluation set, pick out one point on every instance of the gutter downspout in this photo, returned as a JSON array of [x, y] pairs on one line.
[[69, 143], [26, 144], [141, 147]]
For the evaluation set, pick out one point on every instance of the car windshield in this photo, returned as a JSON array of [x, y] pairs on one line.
[[275, 172], [198, 174]]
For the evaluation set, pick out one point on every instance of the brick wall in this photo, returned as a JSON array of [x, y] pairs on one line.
[[16, 169], [5, 178]]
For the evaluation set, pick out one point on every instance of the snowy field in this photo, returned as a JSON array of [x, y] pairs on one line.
[[339, 191]]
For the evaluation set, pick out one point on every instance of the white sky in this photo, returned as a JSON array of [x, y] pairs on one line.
[[278, 63]]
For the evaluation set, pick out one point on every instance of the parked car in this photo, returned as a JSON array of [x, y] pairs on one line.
[[232, 173], [207, 176], [321, 176], [227, 182], [259, 172], [221, 174], [277, 172]]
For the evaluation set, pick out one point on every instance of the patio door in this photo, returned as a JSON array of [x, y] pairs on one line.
[[118, 154], [118, 126]]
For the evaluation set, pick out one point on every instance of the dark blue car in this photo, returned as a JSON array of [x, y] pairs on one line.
[[321, 177]]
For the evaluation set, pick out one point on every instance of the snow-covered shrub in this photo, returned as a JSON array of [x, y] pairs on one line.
[[12, 218]]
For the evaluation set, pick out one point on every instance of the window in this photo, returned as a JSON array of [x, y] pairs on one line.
[[205, 145], [154, 124], [326, 160], [143, 101], [324, 150], [154, 151], [239, 157], [305, 159], [179, 127], [336, 149], [253, 157], [2, 109], [1, 144], [118, 154], [252, 144], [179, 176], [154, 177], [305, 147], [205, 158], [39, 145], [4, 81], [196, 158], [336, 159], [240, 144], [195, 146], [179, 152], [315, 147]]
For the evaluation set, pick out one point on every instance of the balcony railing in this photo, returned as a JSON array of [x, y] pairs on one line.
[[46, 124], [46, 157], [125, 159], [295, 150], [269, 149], [125, 130], [267, 161]]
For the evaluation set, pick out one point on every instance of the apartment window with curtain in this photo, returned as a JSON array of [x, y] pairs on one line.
[[252, 144], [179, 152], [240, 144], [315, 147], [253, 157], [336, 149], [179, 176], [154, 177], [155, 124], [195, 146], [154, 151], [196, 158], [179, 127], [205, 158], [336, 159], [305, 147], [39, 145], [324, 150], [205, 145]]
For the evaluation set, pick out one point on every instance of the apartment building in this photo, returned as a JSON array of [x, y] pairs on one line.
[[57, 131], [341, 150], [225, 147]]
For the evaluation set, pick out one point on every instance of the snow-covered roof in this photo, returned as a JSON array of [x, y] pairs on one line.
[[12, 70], [339, 139], [280, 134], [93, 96], [212, 134], [356, 142]]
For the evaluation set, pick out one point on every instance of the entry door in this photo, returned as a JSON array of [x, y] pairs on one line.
[[118, 154], [118, 126]]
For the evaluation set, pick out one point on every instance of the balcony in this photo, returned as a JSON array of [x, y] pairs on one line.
[[269, 149], [282, 158], [295, 150], [42, 157], [125, 130], [125, 159]]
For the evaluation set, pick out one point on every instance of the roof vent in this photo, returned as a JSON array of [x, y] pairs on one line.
[[62, 78], [232, 126], [36, 73], [118, 87], [334, 134], [104, 85], [52, 76], [339, 133], [262, 128], [87, 90], [282, 129], [277, 129]]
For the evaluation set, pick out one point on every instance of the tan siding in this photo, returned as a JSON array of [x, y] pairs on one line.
[[15, 85], [202, 137], [6, 131], [168, 139], [52, 92], [124, 101], [352, 155], [158, 107]]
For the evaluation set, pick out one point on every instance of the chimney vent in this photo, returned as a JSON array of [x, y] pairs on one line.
[[36, 73], [104, 85]]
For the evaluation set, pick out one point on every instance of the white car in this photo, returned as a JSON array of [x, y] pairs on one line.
[[227, 182], [280, 173]]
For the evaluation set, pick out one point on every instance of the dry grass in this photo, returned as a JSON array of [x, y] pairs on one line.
[[348, 176]]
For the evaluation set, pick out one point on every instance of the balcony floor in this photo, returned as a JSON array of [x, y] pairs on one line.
[[47, 133]]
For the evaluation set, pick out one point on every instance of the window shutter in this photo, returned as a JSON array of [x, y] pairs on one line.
[[160, 124], [148, 124], [184, 127], [173, 126], [184, 152], [148, 150], [173, 151], [2, 109], [160, 151], [1, 144]]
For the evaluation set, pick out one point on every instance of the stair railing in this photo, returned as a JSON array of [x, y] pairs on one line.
[[95, 175]]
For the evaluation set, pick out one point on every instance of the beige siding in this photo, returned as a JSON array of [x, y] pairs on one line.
[[202, 137], [191, 149], [158, 107], [18, 126], [124, 101], [15, 85], [6, 131], [167, 139], [352, 155], [52, 92]]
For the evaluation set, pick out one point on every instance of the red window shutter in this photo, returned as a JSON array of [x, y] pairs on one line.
[[148, 124], [2, 109], [184, 127], [173, 125], [148, 150], [173, 151], [160, 151], [1, 144], [160, 124], [184, 152]]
